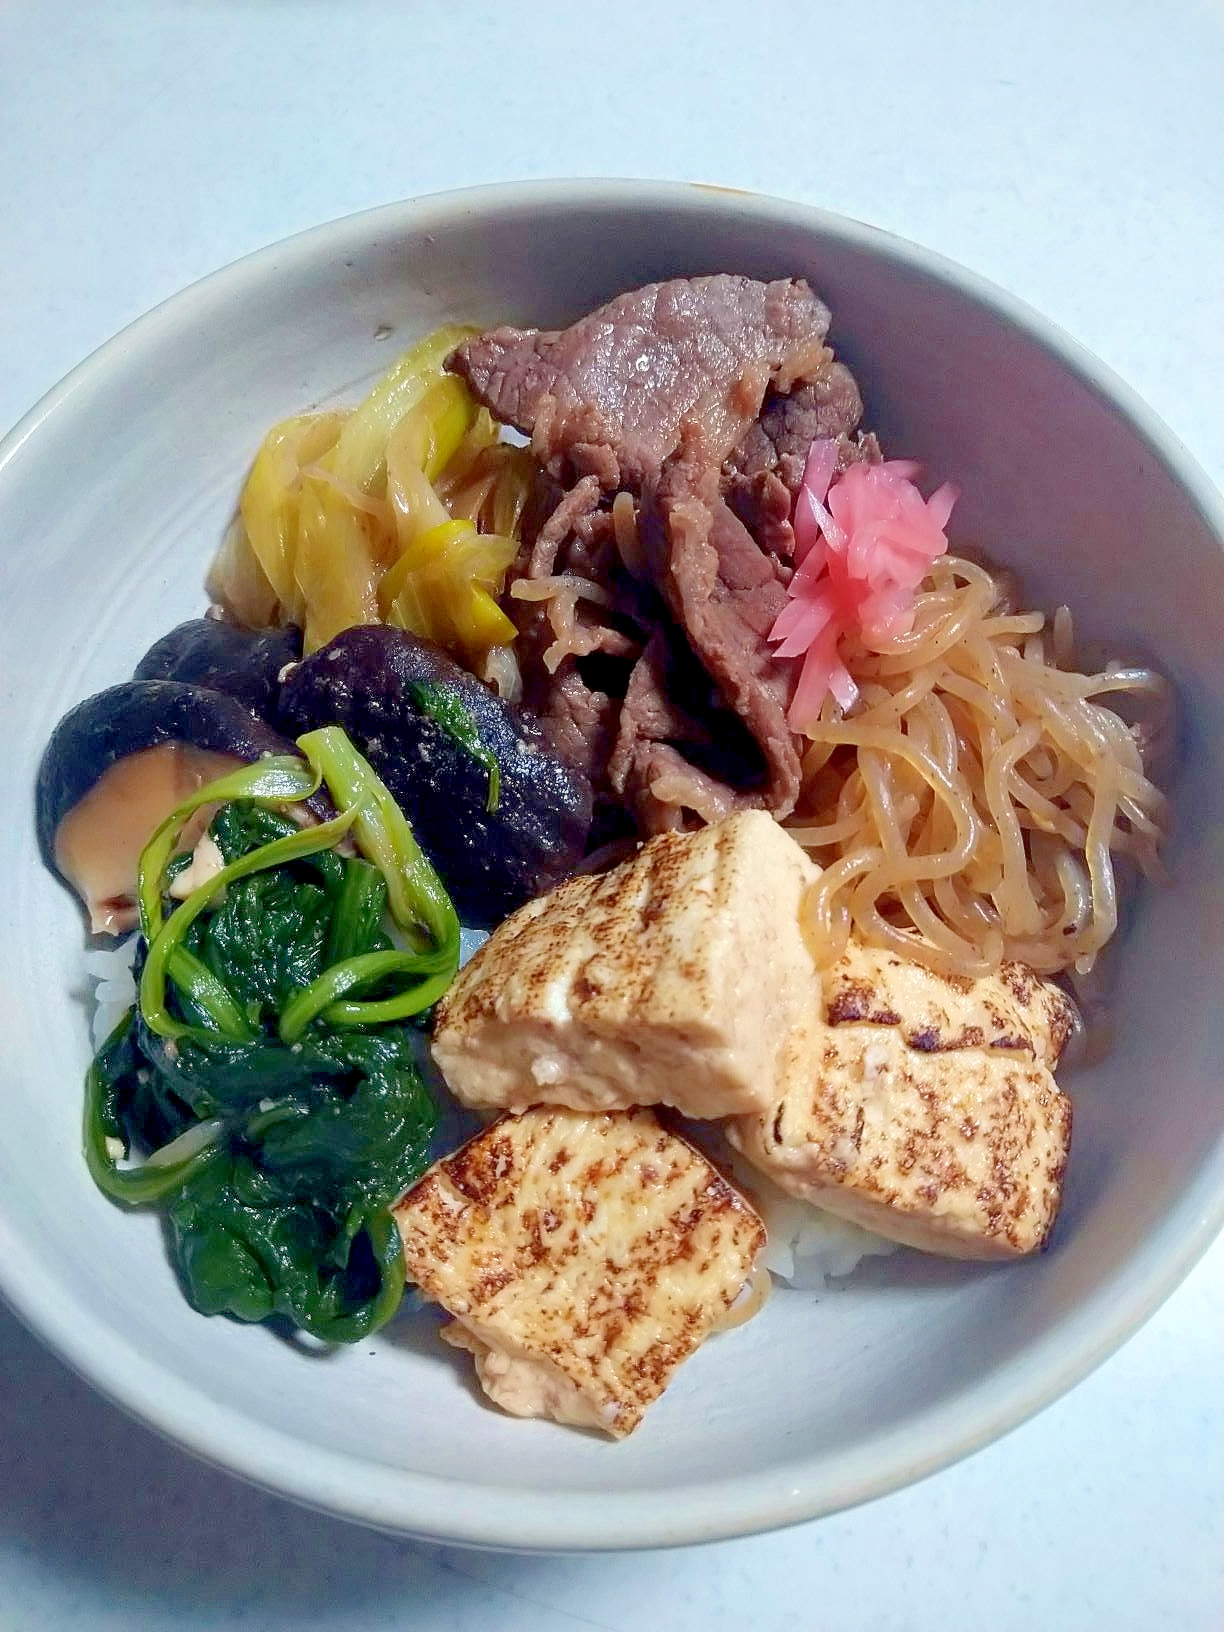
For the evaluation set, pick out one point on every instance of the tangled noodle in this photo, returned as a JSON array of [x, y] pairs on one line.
[[981, 791]]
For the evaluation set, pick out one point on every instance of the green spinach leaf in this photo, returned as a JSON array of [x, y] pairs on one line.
[[277, 1157]]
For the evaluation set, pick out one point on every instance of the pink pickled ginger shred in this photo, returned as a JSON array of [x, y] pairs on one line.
[[864, 541]]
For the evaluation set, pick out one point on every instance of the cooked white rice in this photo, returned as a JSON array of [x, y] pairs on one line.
[[115, 989], [806, 1247]]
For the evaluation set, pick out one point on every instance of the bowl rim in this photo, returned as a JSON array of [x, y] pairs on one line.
[[469, 1513]]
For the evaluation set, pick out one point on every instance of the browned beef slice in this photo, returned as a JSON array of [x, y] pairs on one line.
[[684, 363], [826, 405], [578, 722], [647, 768], [763, 474], [659, 392], [650, 712], [664, 785], [726, 592], [579, 502], [763, 503]]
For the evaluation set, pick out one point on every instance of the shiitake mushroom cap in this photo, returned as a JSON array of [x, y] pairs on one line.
[[491, 861]]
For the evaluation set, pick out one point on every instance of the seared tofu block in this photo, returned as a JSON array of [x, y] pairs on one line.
[[677, 978], [928, 1112], [1014, 1011], [582, 1257]]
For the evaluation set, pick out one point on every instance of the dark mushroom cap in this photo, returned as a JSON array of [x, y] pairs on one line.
[[490, 861], [243, 663], [130, 717]]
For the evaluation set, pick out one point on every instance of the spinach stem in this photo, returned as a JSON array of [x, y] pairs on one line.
[[169, 937], [322, 995], [384, 836]]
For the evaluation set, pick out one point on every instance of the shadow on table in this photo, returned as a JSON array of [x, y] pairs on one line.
[[90, 1494]]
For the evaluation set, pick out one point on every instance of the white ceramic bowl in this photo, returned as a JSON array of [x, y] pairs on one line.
[[113, 493]]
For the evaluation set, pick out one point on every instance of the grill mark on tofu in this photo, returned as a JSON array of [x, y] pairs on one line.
[[853, 1000], [957, 1152], [586, 1256], [1014, 1011]]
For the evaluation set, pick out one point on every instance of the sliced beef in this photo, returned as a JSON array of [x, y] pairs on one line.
[[762, 475], [664, 784], [825, 405], [726, 592], [699, 399], [678, 364], [650, 712], [571, 508], [763, 502], [674, 752], [577, 721], [573, 718]]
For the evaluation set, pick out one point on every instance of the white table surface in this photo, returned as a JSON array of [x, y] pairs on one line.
[[1071, 149]]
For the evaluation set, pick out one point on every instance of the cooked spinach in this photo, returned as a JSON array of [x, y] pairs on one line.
[[277, 1202], [269, 1074]]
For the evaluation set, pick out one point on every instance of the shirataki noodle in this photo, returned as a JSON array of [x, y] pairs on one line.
[[981, 791]]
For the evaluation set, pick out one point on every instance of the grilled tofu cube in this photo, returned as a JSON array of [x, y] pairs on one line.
[[677, 978], [928, 1112], [583, 1258], [1013, 1011]]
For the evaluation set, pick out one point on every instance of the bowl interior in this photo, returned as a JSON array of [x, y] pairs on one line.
[[112, 497]]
